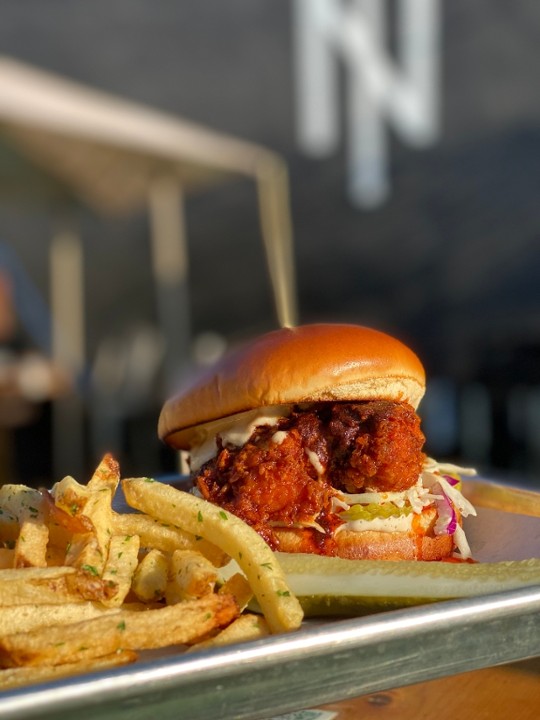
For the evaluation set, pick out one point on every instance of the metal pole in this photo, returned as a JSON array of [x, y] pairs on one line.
[[273, 190], [170, 268], [68, 349]]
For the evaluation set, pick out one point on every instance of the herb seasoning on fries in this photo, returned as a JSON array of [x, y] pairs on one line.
[[83, 587]]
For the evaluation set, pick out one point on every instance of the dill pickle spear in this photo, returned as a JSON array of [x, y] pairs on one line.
[[334, 586]]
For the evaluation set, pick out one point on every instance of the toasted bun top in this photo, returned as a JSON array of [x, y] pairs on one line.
[[309, 363]]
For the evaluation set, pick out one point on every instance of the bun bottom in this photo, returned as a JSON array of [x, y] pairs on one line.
[[367, 545]]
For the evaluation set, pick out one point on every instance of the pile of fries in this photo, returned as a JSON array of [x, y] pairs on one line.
[[83, 587]]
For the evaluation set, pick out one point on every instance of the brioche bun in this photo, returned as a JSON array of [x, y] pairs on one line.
[[310, 363]]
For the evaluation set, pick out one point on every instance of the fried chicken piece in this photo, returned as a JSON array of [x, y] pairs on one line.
[[266, 481], [287, 474], [375, 445]]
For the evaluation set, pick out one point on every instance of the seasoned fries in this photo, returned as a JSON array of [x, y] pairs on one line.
[[26, 506], [51, 585], [257, 561], [191, 576], [87, 550], [123, 629], [122, 561], [106, 475], [84, 588], [246, 627], [166, 538], [24, 618], [151, 576], [239, 588], [26, 674]]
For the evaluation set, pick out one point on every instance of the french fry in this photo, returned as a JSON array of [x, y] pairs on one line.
[[120, 566], [255, 558], [151, 576], [36, 585], [128, 630], [71, 497], [28, 617], [106, 475], [49, 586], [166, 537], [18, 676], [62, 529], [88, 550], [190, 576], [239, 588], [83, 587], [59, 517], [27, 506], [244, 628], [19, 501], [31, 545]]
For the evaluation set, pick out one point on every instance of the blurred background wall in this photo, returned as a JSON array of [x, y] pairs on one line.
[[449, 260]]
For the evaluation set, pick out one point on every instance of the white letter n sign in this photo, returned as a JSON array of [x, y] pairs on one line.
[[400, 88]]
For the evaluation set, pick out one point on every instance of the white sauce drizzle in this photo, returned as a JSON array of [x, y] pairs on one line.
[[234, 430], [314, 460], [279, 436]]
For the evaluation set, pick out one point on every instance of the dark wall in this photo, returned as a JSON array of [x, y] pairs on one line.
[[450, 262]]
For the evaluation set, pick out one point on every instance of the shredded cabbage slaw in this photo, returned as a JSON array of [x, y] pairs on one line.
[[439, 484]]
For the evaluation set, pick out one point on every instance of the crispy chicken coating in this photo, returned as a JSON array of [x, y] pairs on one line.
[[266, 481], [375, 446], [286, 475]]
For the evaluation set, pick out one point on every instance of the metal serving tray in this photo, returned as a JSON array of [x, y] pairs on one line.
[[321, 663]]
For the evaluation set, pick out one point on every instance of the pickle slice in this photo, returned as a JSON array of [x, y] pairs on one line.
[[334, 586]]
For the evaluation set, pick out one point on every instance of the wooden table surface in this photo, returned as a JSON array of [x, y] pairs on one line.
[[509, 692]]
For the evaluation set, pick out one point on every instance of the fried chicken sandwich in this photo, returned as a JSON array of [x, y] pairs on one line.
[[310, 434]]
